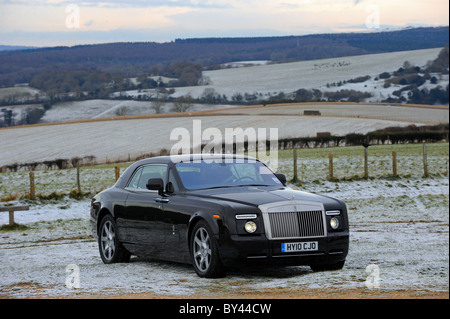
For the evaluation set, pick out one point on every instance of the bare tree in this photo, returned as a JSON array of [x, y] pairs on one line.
[[121, 111], [157, 105], [183, 103]]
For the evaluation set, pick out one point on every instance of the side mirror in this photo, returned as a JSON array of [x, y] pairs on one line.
[[282, 178], [155, 184]]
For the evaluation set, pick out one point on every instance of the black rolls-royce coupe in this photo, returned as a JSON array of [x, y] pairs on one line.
[[216, 212]]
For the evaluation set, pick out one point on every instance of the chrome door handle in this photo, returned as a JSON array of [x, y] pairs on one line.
[[162, 200]]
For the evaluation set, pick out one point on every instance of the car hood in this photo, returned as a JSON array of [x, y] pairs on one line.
[[256, 196]]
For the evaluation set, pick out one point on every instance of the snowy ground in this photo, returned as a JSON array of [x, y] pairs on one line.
[[347, 110], [73, 111], [401, 226]]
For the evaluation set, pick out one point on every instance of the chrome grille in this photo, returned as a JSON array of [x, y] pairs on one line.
[[302, 224]]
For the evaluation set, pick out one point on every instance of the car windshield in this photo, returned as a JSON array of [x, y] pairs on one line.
[[225, 173]]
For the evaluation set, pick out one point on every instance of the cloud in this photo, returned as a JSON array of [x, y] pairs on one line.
[[89, 23], [124, 4], [165, 20]]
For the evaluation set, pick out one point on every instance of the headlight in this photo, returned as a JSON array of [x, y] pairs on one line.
[[334, 223], [250, 227]]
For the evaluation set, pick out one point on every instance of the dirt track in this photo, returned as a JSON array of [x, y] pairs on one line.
[[295, 294], [279, 293]]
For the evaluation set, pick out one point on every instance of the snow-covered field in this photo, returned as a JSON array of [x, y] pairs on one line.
[[91, 109], [346, 110], [316, 74], [399, 227], [119, 139]]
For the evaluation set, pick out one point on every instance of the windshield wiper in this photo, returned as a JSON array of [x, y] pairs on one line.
[[224, 186], [253, 185], [230, 186]]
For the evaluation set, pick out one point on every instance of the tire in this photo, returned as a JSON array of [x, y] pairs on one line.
[[111, 250], [328, 267], [205, 252]]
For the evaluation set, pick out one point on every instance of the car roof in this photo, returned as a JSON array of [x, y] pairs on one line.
[[191, 157]]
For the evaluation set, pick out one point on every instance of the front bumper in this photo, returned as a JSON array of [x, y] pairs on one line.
[[237, 251]]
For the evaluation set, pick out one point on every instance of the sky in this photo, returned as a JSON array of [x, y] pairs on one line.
[[71, 22]]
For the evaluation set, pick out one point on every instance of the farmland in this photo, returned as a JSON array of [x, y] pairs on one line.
[[115, 139], [288, 77]]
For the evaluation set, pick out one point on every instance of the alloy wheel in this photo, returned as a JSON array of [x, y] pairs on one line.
[[107, 240], [202, 249]]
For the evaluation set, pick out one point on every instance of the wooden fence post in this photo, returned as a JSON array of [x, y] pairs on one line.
[[394, 163], [295, 178], [366, 166], [330, 166], [425, 161], [78, 178], [117, 170], [32, 187]]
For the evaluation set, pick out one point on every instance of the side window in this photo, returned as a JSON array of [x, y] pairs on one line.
[[141, 177], [135, 179]]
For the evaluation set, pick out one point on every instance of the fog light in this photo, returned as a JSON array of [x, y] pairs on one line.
[[250, 227], [334, 223]]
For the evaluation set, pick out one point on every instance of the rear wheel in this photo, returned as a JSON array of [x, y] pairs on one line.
[[111, 250], [205, 252]]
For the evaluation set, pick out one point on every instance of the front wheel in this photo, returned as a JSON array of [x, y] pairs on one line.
[[111, 250], [205, 252]]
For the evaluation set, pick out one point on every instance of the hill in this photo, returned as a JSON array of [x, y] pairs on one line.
[[133, 59], [15, 47], [365, 78]]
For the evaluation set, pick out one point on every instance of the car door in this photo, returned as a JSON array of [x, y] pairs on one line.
[[176, 217], [144, 213]]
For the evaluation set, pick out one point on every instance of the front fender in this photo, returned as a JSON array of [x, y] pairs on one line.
[[215, 224]]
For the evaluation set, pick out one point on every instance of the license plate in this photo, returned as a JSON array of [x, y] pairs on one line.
[[301, 246]]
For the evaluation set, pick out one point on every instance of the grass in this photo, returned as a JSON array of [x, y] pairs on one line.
[[348, 162], [14, 227]]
